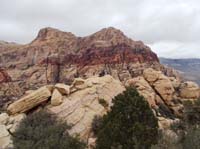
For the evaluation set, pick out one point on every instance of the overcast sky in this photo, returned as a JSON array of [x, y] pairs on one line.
[[170, 27]]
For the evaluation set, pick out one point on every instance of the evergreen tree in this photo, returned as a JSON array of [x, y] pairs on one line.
[[130, 124]]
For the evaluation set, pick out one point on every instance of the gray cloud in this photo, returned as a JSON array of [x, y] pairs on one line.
[[170, 27]]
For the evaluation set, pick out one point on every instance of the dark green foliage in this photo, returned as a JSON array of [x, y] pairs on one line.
[[41, 130], [96, 124], [192, 112], [130, 124], [103, 103], [192, 139]]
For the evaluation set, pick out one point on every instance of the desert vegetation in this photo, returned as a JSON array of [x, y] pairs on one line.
[[41, 130], [129, 124]]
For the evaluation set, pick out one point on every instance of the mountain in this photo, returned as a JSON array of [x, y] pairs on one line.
[[57, 56], [71, 75], [189, 68]]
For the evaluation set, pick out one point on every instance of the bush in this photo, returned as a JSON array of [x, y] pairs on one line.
[[192, 139], [192, 112], [130, 124], [96, 124], [41, 130]]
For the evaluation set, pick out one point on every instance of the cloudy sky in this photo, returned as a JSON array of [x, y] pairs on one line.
[[170, 27]]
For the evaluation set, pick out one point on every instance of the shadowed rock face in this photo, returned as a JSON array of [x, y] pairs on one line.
[[57, 56], [4, 77]]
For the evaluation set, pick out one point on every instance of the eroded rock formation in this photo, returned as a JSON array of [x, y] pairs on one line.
[[69, 75], [56, 56]]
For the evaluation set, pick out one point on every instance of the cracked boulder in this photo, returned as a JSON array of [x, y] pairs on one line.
[[161, 83], [80, 107], [189, 90], [30, 101]]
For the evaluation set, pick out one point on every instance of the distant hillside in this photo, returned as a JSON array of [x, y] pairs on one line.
[[190, 68]]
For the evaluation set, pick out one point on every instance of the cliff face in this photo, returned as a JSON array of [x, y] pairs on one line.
[[56, 56]]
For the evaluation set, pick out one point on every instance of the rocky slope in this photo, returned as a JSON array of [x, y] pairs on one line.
[[57, 56], [80, 102]]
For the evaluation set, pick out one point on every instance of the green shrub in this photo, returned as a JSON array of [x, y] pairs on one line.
[[192, 112], [96, 124], [130, 123], [192, 139], [41, 130]]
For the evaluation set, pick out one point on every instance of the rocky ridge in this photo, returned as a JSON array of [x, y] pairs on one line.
[[68, 75], [57, 56], [79, 102]]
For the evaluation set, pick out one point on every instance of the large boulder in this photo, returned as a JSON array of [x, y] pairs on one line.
[[151, 75], [4, 118], [189, 90], [30, 101], [56, 98], [164, 88], [7, 128], [62, 88], [5, 138], [80, 107], [161, 83]]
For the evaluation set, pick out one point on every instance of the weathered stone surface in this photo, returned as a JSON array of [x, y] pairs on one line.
[[4, 118], [15, 121], [151, 75], [80, 107], [91, 143], [164, 87], [78, 83], [8, 128], [5, 138], [30, 101], [56, 98], [189, 90], [161, 83], [62, 88]]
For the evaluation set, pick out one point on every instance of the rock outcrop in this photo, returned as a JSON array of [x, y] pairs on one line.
[[80, 107], [56, 98], [56, 56], [164, 94], [189, 90], [8, 124], [77, 108], [79, 103], [30, 101]]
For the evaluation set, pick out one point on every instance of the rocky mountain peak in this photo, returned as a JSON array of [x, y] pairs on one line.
[[50, 34], [108, 37]]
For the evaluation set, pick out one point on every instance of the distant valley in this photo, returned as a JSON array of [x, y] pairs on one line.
[[189, 68]]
